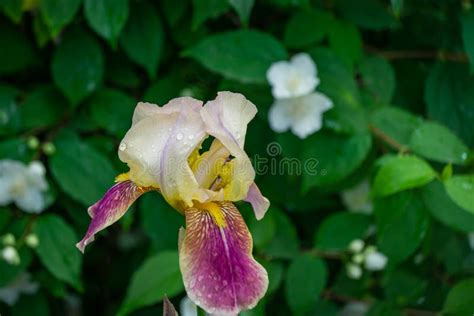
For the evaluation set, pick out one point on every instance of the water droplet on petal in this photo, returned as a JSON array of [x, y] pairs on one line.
[[191, 137], [200, 278], [237, 135], [179, 136], [122, 146]]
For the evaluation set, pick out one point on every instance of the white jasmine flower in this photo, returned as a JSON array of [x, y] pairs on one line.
[[375, 261], [10, 255], [10, 293], [354, 309], [293, 78], [23, 185], [356, 245], [187, 307], [354, 271], [357, 199], [303, 115]]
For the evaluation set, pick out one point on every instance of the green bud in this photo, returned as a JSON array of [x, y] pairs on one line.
[[49, 148], [8, 239], [31, 240], [33, 142]]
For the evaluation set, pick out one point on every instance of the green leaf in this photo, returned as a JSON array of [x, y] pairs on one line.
[[43, 107], [402, 223], [460, 300], [467, 23], [378, 78], [9, 118], [77, 66], [338, 230], [16, 149], [461, 190], [207, 9], [263, 231], [305, 279], [436, 142], [243, 9], [27, 303], [243, 55], [346, 42], [402, 173], [143, 37], [163, 90], [160, 222], [107, 17], [56, 249], [58, 13], [402, 287], [445, 210], [329, 158], [369, 14], [275, 272], [12, 9], [112, 110], [449, 94], [337, 82], [81, 171], [296, 31], [285, 243], [158, 276], [17, 51], [396, 123]]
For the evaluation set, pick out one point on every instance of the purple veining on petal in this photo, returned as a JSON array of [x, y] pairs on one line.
[[219, 272], [260, 204], [110, 209]]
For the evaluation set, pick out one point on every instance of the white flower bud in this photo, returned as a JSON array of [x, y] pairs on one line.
[[356, 246], [32, 241], [375, 261], [8, 239], [37, 168], [353, 271], [10, 255]]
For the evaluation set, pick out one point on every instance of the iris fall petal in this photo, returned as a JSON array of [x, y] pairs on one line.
[[219, 272], [113, 205]]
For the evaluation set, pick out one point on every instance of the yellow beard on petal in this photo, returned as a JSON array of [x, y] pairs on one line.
[[215, 211]]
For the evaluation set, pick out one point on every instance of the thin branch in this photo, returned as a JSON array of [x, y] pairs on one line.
[[387, 139], [419, 54]]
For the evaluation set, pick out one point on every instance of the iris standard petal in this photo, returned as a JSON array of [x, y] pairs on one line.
[[226, 119], [158, 145], [113, 205], [260, 204], [219, 272]]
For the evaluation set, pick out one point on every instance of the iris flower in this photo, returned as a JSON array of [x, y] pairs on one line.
[[163, 151]]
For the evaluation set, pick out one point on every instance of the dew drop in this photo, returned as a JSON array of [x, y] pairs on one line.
[[122, 146], [179, 136], [237, 135], [200, 278], [209, 295], [224, 282], [191, 137]]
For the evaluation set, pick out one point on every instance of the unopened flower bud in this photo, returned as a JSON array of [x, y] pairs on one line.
[[375, 261], [32, 142], [358, 258], [356, 246], [31, 240], [49, 148], [8, 239], [10, 255], [354, 271]]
